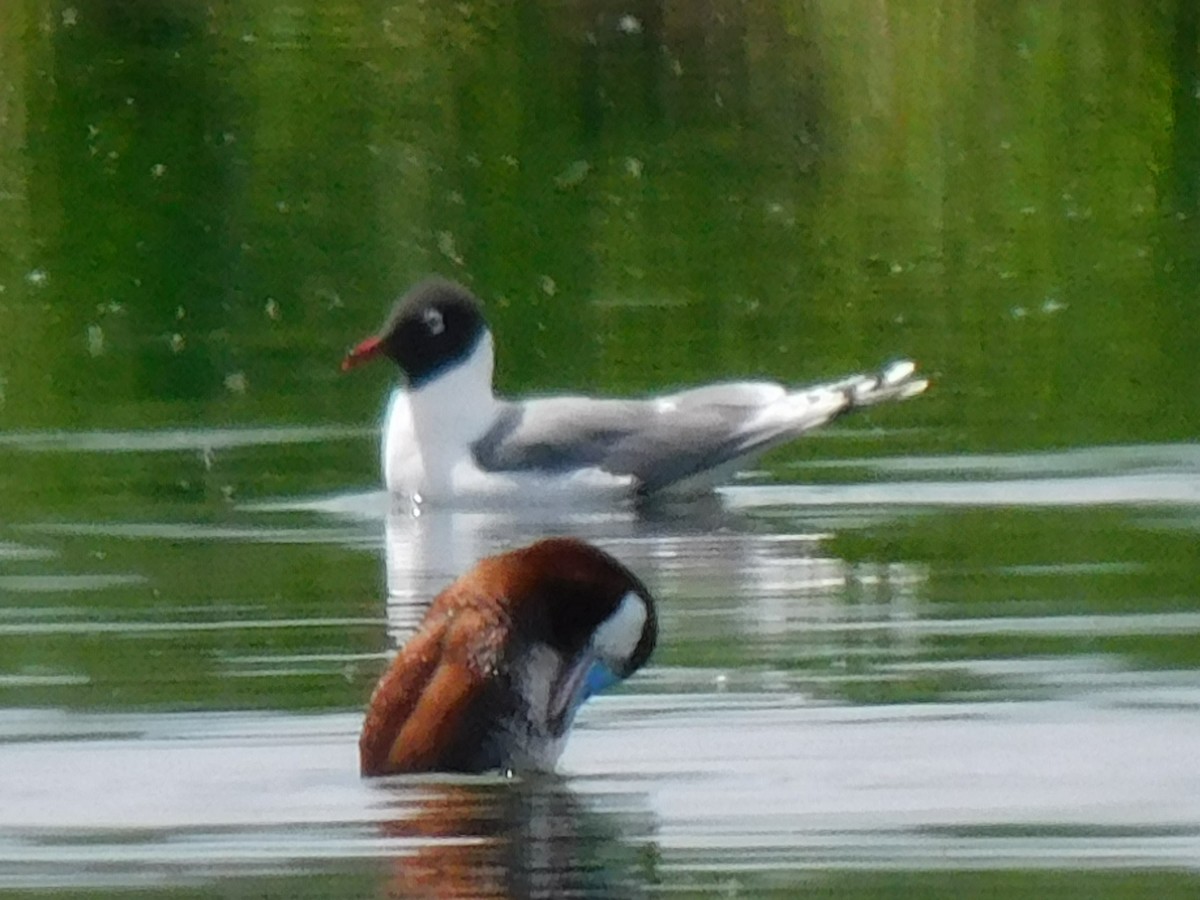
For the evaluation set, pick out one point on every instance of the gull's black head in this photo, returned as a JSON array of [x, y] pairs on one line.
[[433, 327]]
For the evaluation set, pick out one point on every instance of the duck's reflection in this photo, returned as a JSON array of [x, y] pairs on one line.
[[512, 838]]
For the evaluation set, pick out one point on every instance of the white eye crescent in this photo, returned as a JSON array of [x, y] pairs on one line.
[[434, 321]]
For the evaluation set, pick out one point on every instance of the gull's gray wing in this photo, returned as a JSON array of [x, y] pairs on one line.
[[663, 441]]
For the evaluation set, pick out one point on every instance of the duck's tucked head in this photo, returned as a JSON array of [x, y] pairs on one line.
[[433, 327], [589, 609], [505, 657]]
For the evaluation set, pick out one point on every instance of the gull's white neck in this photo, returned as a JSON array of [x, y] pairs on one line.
[[457, 406], [430, 428]]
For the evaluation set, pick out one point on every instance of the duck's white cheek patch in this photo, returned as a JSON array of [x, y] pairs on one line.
[[619, 634]]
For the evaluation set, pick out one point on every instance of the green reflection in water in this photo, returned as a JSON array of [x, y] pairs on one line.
[[211, 202]]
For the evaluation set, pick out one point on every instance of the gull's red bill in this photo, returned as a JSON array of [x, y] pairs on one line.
[[363, 353]]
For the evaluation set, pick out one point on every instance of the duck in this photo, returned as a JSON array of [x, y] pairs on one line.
[[449, 440], [504, 658]]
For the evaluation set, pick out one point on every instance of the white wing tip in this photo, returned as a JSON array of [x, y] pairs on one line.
[[897, 372], [895, 381]]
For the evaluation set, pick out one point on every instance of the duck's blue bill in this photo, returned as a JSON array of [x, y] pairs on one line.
[[599, 678]]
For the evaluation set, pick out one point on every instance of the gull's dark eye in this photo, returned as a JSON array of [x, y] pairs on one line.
[[433, 321]]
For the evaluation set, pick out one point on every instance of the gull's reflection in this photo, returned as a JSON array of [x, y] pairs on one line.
[[510, 839], [426, 552], [767, 576]]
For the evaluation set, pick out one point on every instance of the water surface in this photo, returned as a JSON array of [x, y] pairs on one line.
[[942, 649], [854, 678]]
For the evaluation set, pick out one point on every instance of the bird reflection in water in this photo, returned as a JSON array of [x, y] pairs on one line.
[[514, 838]]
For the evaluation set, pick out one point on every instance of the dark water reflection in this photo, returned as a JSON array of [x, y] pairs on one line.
[[519, 839]]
